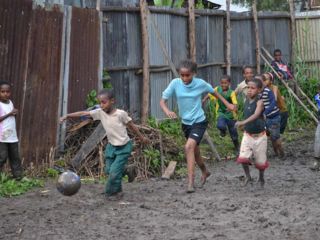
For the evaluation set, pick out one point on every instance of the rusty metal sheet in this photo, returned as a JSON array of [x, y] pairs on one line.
[[84, 57], [41, 97]]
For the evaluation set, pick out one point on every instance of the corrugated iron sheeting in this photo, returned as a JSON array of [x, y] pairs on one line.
[[308, 44], [15, 18], [84, 56], [40, 113]]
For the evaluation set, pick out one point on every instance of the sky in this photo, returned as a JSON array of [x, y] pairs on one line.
[[233, 7]]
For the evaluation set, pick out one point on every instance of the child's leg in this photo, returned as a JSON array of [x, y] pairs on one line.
[[283, 122], [260, 154], [316, 164], [3, 154], [246, 169], [189, 149], [233, 133], [244, 156], [15, 160], [222, 126], [273, 126], [116, 168], [202, 166]]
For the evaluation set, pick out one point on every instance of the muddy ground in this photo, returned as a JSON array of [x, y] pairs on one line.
[[287, 208]]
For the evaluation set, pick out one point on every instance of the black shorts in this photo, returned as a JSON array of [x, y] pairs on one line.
[[195, 131]]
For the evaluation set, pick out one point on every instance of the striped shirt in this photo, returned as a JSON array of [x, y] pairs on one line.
[[270, 105]]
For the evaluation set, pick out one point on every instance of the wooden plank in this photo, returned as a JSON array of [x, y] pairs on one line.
[[192, 31], [95, 138], [146, 62], [256, 31], [169, 170]]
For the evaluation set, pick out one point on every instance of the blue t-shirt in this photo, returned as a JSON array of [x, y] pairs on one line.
[[188, 98], [317, 99]]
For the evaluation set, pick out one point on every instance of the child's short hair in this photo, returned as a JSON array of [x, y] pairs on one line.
[[192, 66], [226, 77], [257, 81], [246, 67], [4, 83], [108, 93], [276, 51]]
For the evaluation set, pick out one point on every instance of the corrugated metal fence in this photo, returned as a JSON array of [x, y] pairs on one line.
[[122, 46], [49, 56], [308, 43]]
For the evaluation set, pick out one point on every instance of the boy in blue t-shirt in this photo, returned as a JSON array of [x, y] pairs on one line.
[[188, 91]]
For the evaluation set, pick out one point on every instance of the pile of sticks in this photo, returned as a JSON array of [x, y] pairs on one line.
[[93, 164]]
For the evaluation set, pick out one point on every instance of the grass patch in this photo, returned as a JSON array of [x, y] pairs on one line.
[[10, 187]]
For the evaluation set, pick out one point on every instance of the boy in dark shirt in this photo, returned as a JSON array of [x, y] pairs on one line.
[[254, 141]]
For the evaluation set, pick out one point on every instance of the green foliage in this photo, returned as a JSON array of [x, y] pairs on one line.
[[52, 173], [92, 99], [11, 187], [265, 5], [199, 5], [170, 127], [154, 158]]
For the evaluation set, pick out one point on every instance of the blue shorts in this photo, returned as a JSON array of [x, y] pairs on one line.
[[195, 131], [273, 127]]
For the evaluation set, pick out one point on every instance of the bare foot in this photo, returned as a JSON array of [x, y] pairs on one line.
[[204, 178], [246, 181], [190, 188]]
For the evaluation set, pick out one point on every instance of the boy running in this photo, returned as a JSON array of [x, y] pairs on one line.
[[254, 141]]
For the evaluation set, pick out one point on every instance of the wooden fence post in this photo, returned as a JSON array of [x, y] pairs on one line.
[[145, 55], [293, 30], [192, 30], [228, 38], [256, 31]]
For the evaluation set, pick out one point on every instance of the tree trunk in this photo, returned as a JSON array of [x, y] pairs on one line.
[[228, 38], [192, 29], [256, 31], [145, 59]]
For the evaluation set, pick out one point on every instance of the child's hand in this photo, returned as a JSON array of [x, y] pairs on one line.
[[171, 114], [14, 112], [62, 119], [231, 107], [239, 124]]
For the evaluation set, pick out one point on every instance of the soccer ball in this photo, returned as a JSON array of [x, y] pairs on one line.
[[68, 183]]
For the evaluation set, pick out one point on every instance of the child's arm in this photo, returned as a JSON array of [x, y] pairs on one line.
[[12, 113], [257, 114], [230, 106], [204, 100], [136, 131], [166, 110], [74, 115], [275, 92], [234, 100]]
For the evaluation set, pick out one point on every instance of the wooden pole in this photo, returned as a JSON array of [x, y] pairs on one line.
[[228, 38], [290, 90], [192, 30], [293, 30], [145, 59], [256, 31]]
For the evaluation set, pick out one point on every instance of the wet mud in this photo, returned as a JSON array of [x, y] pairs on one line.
[[287, 208]]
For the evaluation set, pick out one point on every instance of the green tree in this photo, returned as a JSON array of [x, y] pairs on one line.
[[265, 5]]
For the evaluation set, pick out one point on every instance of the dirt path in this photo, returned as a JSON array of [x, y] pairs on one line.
[[288, 207]]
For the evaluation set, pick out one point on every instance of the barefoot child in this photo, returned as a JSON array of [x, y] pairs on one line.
[[226, 118], [118, 150], [272, 115], [9, 145], [188, 91], [254, 141]]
